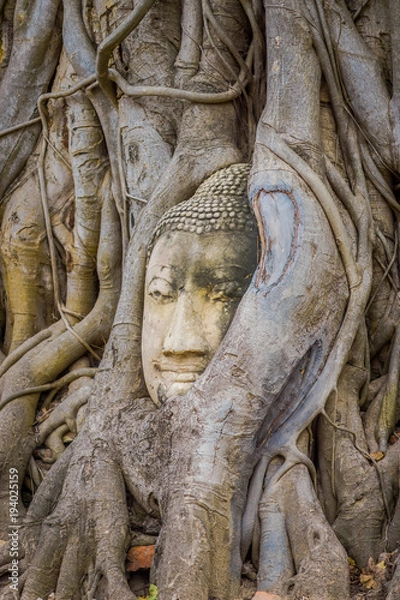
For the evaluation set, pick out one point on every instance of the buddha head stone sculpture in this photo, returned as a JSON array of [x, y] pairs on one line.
[[202, 256]]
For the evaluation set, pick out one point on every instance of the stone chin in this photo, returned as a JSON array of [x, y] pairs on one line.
[[175, 388]]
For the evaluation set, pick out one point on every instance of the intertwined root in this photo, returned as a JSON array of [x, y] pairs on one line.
[[56, 353]]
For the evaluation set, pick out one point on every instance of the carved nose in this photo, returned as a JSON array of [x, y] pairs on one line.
[[185, 334]]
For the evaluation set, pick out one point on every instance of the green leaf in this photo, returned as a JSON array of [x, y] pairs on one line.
[[153, 593]]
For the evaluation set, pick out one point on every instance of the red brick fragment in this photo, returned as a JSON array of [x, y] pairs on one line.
[[140, 557]]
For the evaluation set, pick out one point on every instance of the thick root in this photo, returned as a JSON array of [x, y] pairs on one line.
[[307, 545]]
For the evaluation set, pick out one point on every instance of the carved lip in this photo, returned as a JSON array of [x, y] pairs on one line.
[[185, 372], [186, 377]]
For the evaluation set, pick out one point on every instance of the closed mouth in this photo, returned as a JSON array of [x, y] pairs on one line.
[[181, 376], [185, 373]]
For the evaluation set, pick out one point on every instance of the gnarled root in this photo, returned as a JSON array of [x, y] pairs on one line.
[[56, 353], [317, 553], [86, 535], [293, 543]]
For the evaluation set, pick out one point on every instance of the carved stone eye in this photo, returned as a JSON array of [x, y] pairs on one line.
[[161, 291]]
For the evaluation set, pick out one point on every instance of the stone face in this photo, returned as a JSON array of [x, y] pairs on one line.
[[193, 286], [195, 279]]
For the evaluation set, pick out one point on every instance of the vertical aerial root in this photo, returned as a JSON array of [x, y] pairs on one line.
[[114, 39], [317, 553], [275, 559], [89, 167], [187, 61], [389, 413]]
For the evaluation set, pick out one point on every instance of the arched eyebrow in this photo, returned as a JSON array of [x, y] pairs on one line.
[[162, 268], [171, 281]]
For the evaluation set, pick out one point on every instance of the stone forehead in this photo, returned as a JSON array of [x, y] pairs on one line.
[[219, 204]]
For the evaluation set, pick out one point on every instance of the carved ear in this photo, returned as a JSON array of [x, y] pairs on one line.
[[278, 223]]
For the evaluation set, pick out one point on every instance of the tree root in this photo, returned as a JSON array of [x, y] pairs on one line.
[[44, 30], [58, 384], [64, 413], [55, 354], [298, 547], [109, 44], [61, 566]]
